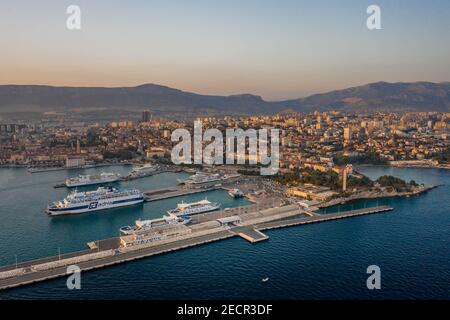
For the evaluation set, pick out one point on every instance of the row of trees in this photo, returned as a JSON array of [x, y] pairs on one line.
[[124, 154], [332, 180], [328, 179], [367, 158], [443, 157], [396, 183]]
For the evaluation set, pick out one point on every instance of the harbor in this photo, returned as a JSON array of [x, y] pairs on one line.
[[138, 172], [241, 234], [246, 222], [189, 224], [198, 180]]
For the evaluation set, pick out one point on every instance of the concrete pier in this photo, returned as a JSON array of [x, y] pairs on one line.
[[168, 193], [250, 234], [322, 217], [204, 229], [30, 277]]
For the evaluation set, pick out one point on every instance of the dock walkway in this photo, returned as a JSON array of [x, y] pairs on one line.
[[32, 277], [27, 274], [168, 193], [249, 234], [322, 217]]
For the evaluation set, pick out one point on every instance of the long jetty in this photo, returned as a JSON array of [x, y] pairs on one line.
[[167, 193], [323, 217], [108, 252]]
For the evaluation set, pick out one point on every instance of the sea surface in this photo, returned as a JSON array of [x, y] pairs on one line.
[[411, 245]]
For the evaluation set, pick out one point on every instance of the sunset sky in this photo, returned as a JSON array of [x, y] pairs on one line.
[[277, 49]]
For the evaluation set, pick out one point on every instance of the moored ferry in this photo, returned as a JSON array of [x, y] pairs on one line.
[[155, 224], [194, 208], [101, 199], [144, 170], [88, 180], [44, 169], [201, 178]]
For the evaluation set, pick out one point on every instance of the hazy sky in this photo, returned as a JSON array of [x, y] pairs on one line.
[[276, 48]]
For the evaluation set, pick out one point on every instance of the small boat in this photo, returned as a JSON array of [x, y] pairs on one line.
[[265, 279], [236, 193]]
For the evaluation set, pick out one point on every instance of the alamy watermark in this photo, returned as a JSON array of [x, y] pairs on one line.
[[374, 280], [374, 20], [73, 22], [237, 141], [74, 278]]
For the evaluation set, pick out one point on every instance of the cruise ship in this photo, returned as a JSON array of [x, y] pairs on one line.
[[143, 171], [194, 208], [101, 199], [236, 193], [155, 224], [88, 180], [201, 178]]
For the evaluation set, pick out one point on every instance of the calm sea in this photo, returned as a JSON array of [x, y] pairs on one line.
[[328, 260]]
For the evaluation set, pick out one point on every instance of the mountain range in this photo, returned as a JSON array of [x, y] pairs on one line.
[[379, 96]]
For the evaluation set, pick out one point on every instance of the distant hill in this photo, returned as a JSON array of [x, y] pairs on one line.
[[48, 98], [380, 96]]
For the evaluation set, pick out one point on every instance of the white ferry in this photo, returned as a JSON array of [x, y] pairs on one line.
[[155, 224], [200, 178], [45, 169], [236, 193], [88, 180], [194, 208], [100, 199], [143, 171]]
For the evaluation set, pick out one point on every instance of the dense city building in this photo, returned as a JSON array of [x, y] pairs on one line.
[[320, 140]]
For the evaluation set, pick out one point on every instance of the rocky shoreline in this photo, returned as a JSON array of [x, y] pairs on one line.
[[376, 194], [440, 166]]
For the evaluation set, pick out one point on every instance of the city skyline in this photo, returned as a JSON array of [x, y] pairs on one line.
[[264, 48]]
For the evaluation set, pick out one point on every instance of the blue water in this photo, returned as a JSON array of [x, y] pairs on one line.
[[319, 261]]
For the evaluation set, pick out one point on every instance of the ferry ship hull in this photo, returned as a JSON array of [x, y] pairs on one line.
[[144, 171], [92, 206], [91, 183], [183, 213]]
